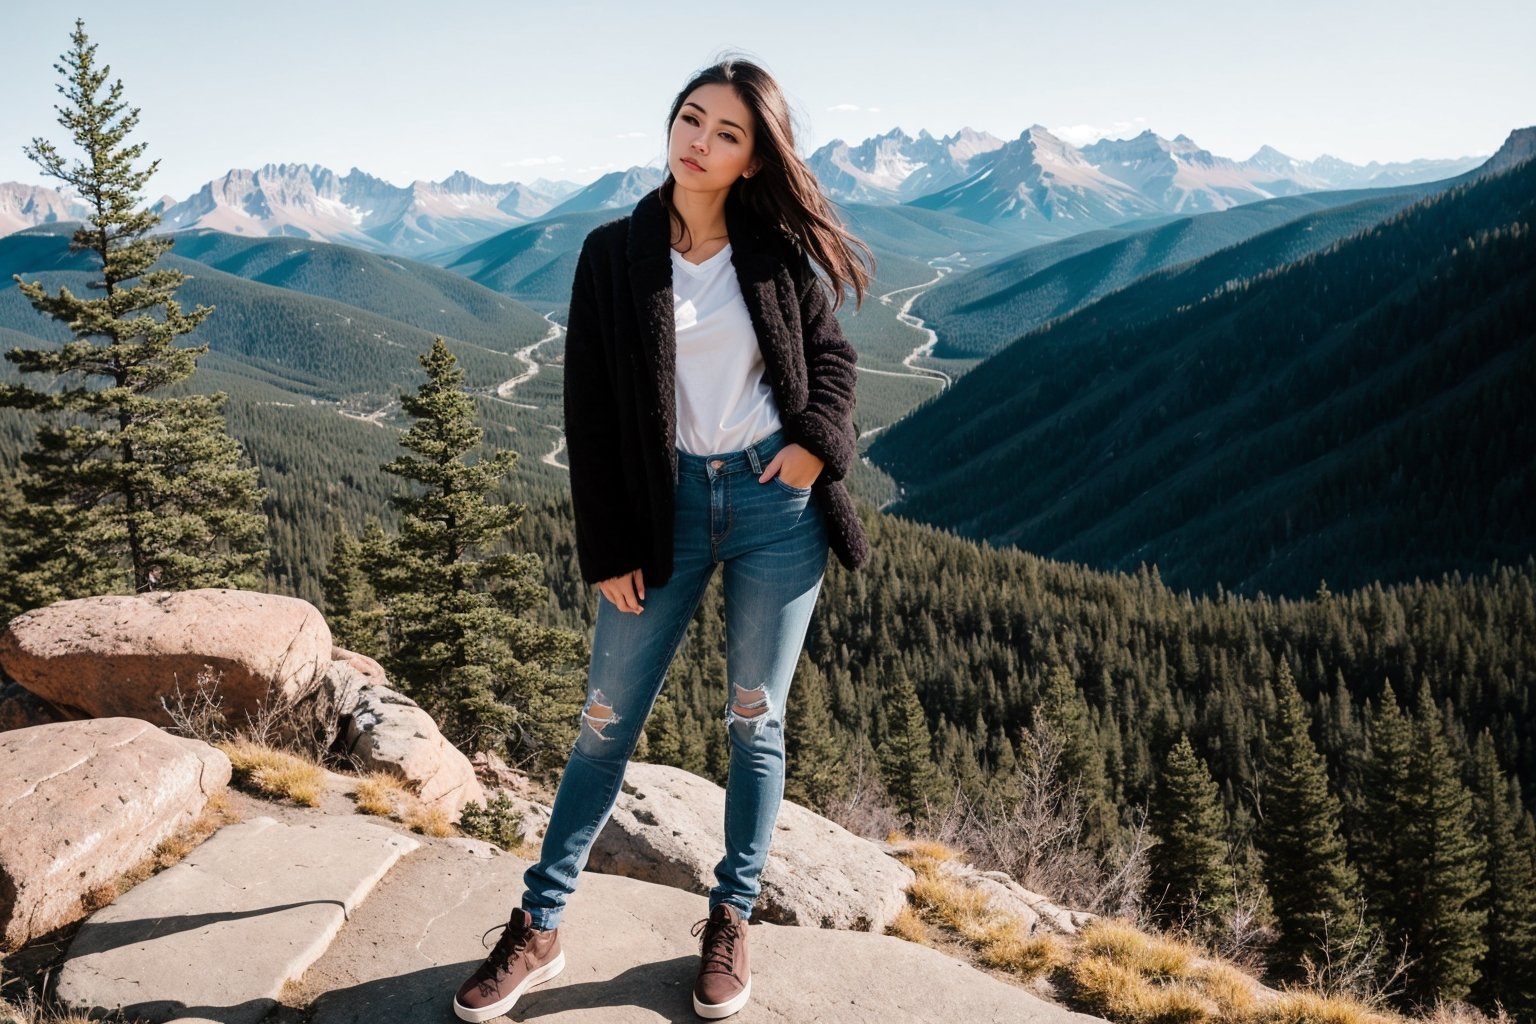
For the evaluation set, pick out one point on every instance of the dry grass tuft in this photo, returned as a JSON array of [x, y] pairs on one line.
[[1000, 940], [1123, 994], [948, 901], [929, 849], [1234, 993], [274, 772], [381, 794], [430, 821], [1153, 956], [99, 895], [1132, 977], [908, 925], [1025, 956], [1297, 1007]]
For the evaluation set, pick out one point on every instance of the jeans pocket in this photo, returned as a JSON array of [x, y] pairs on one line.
[[799, 492]]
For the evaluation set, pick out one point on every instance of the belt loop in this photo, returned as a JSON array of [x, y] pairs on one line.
[[757, 466]]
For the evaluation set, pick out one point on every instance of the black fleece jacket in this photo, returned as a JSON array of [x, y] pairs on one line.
[[621, 380]]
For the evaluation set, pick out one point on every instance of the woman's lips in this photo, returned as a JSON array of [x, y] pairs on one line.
[[690, 164]]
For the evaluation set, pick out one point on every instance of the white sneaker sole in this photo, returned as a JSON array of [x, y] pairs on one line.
[[714, 1011], [501, 1006]]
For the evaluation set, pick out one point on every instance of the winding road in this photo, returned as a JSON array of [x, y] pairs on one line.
[[923, 350]]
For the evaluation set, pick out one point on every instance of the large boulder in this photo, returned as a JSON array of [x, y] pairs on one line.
[[120, 654], [667, 828], [82, 802], [386, 731]]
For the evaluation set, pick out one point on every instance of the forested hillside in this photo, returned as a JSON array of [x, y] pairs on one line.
[[1358, 415], [982, 312]]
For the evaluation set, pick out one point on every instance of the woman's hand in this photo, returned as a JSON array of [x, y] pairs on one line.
[[794, 465], [625, 592]]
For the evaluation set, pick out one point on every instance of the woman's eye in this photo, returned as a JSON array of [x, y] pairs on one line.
[[689, 118], [728, 137]]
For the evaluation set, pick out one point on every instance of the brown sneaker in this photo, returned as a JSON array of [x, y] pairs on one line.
[[522, 958], [725, 982]]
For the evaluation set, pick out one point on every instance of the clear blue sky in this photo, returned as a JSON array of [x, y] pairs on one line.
[[516, 91]]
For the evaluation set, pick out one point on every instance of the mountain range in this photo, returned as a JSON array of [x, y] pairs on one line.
[[1037, 186]]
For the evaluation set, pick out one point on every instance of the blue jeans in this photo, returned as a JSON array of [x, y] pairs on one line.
[[772, 542]]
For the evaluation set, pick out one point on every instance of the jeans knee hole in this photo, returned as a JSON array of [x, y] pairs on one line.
[[749, 705], [598, 714]]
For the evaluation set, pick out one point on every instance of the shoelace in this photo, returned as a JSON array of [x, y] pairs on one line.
[[511, 942], [718, 947]]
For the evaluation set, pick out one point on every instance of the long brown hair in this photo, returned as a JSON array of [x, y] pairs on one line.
[[783, 192]]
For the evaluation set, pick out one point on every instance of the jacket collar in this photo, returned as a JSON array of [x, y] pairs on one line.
[[650, 233], [759, 255]]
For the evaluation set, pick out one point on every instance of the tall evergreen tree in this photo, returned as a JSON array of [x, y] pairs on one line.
[[351, 608], [1310, 880], [1379, 838], [1419, 855], [462, 641], [128, 488], [816, 766], [1063, 713], [1190, 877], [906, 753], [1508, 971]]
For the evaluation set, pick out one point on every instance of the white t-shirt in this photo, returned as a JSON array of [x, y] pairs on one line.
[[723, 403]]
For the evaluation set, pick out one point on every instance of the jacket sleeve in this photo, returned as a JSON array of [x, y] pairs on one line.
[[825, 428], [592, 436]]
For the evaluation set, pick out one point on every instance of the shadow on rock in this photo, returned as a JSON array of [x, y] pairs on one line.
[[425, 996]]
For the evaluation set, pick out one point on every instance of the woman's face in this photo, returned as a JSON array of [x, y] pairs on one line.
[[711, 140]]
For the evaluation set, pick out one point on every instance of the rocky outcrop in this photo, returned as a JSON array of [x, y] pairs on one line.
[[121, 655], [80, 803], [383, 730], [667, 825]]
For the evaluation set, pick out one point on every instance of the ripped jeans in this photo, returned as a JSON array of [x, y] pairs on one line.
[[772, 543]]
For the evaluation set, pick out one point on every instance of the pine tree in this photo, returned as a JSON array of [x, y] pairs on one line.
[[351, 608], [127, 489], [1380, 835], [461, 640], [1420, 858], [1310, 881], [1508, 971], [906, 753], [1443, 867], [1064, 715], [816, 768], [663, 738], [1189, 877]]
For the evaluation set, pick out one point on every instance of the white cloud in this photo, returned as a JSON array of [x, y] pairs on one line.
[[1082, 134], [845, 108], [630, 135]]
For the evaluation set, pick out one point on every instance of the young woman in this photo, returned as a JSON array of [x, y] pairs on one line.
[[709, 420]]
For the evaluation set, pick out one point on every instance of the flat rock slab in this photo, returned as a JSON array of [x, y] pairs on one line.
[[219, 934], [629, 958], [668, 826], [82, 802]]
